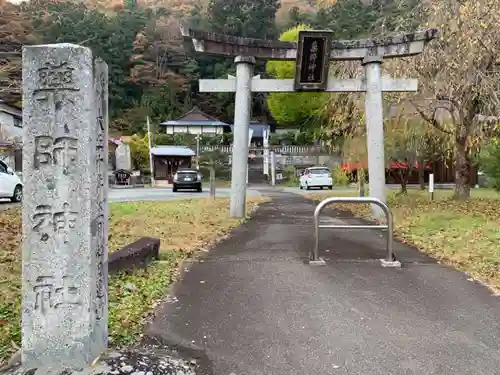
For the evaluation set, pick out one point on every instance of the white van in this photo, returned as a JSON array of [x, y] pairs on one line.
[[316, 177], [11, 185]]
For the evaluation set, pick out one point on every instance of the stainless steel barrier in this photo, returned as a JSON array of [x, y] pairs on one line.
[[357, 200]]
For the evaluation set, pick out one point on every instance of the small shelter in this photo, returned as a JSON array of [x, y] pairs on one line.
[[195, 122], [168, 159]]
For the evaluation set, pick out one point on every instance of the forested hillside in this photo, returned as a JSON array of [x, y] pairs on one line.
[[151, 71]]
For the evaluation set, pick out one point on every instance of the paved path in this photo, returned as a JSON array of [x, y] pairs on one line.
[[253, 306]]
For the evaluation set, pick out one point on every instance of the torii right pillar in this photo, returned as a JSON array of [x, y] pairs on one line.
[[374, 117]]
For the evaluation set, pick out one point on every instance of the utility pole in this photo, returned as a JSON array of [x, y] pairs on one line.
[[198, 151], [150, 155]]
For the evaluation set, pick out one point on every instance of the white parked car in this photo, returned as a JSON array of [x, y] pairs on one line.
[[313, 177], [11, 185]]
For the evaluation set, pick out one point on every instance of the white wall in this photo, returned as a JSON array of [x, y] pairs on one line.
[[171, 129], [8, 130], [7, 157]]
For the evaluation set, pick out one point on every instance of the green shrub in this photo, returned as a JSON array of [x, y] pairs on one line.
[[290, 176], [490, 163], [340, 177]]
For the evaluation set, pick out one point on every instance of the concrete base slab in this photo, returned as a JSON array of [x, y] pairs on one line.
[[319, 262], [145, 360], [390, 264]]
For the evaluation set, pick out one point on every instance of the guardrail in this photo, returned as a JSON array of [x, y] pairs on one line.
[[390, 260]]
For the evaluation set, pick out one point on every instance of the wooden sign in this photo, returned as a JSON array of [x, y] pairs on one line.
[[313, 57]]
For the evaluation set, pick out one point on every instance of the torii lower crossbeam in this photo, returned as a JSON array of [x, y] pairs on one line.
[[388, 84]]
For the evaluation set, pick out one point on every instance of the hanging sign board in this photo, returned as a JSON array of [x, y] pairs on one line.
[[313, 58]]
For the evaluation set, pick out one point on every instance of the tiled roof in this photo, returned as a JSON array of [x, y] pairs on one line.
[[172, 151], [193, 117]]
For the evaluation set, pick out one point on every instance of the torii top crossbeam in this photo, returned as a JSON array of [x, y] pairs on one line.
[[387, 47]]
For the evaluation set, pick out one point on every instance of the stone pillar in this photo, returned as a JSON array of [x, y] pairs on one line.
[[123, 157], [242, 112], [375, 131], [64, 305]]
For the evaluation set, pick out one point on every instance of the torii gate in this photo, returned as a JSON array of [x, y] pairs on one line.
[[370, 52]]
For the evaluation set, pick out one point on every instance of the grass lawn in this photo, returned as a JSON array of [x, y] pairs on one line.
[[465, 235], [183, 227]]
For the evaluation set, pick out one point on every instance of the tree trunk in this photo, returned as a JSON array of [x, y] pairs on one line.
[[421, 174], [403, 179], [404, 187], [212, 182], [462, 172], [361, 181]]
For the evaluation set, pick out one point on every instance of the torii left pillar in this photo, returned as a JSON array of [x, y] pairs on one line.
[[243, 99]]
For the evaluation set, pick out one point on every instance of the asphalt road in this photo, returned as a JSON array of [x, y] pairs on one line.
[[148, 194], [158, 194], [166, 194], [296, 190]]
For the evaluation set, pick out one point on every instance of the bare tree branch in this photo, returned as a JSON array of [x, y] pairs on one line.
[[431, 119]]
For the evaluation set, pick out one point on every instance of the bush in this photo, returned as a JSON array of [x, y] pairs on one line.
[[290, 175], [227, 138], [139, 151], [490, 162], [340, 176]]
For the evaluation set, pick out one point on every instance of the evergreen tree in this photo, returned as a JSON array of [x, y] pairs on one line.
[[245, 18]]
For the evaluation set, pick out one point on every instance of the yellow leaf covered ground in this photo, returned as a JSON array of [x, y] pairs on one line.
[[182, 226], [465, 234]]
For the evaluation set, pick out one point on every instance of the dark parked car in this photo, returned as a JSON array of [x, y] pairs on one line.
[[187, 179]]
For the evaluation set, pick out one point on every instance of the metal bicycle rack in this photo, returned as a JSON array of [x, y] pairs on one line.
[[389, 261]]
